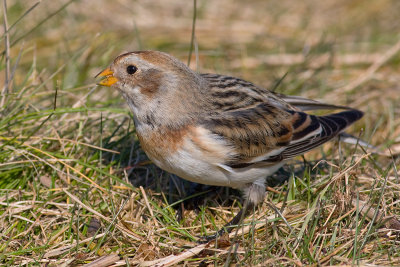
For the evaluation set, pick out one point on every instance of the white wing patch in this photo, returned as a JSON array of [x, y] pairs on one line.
[[311, 134], [225, 167], [267, 155]]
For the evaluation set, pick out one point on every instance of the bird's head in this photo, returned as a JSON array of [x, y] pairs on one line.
[[154, 84]]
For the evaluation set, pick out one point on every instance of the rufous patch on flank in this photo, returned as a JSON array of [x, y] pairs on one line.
[[158, 144], [213, 148]]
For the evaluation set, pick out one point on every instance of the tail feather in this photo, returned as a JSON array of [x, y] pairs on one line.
[[331, 126], [337, 122]]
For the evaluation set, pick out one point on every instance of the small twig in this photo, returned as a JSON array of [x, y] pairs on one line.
[[103, 261], [174, 259], [78, 201], [59, 251], [14, 69], [279, 213], [146, 201], [6, 89], [192, 39]]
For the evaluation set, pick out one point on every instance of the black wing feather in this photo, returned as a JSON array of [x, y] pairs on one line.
[[331, 125]]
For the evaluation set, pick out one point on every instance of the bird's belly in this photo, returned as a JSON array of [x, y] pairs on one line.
[[193, 169], [200, 171], [199, 160]]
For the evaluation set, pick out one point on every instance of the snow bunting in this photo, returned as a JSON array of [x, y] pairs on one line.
[[216, 129]]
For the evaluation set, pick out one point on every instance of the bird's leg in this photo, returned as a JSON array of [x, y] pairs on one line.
[[253, 194], [228, 227]]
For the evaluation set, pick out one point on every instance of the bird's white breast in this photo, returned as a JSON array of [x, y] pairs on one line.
[[193, 162]]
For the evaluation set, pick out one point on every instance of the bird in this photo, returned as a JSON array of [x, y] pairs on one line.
[[217, 129]]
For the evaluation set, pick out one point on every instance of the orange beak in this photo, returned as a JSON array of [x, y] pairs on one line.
[[108, 77]]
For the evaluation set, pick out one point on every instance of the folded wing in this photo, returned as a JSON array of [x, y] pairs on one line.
[[264, 127], [267, 134]]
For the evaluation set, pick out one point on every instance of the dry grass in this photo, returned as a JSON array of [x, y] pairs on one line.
[[76, 189]]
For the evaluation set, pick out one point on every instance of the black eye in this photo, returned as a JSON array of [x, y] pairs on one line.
[[131, 69]]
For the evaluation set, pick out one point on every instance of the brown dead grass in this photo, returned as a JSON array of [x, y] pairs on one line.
[[66, 175]]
